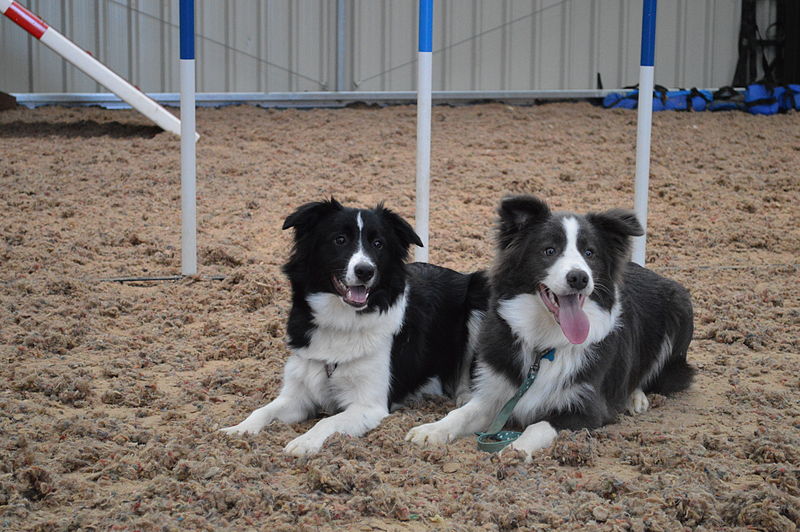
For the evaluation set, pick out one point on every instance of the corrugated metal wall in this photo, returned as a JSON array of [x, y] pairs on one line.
[[290, 45]]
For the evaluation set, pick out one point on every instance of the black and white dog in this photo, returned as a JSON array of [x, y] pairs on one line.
[[366, 330], [563, 281]]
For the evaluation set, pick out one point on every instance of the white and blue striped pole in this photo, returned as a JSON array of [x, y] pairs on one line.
[[188, 142], [424, 86], [644, 127]]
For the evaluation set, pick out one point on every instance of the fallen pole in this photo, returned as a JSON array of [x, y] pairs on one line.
[[90, 66]]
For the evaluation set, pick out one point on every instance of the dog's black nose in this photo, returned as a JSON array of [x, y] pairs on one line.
[[364, 272], [577, 279]]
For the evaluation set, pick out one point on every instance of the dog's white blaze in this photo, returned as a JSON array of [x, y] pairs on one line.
[[571, 259], [359, 257]]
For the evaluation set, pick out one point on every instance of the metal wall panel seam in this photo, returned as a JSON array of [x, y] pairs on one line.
[[566, 44], [708, 64], [291, 81]]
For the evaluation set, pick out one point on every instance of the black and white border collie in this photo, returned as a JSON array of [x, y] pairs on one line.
[[366, 330], [563, 281]]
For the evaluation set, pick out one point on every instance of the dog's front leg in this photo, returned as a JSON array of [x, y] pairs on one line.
[[292, 405], [355, 421], [470, 418], [542, 434], [535, 437]]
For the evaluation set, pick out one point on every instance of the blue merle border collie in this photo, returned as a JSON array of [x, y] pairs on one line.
[[564, 281], [366, 330]]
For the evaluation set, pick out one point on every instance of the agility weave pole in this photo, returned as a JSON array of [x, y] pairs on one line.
[[188, 142], [424, 87], [644, 125], [89, 65]]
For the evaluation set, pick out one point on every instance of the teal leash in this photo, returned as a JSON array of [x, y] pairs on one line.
[[494, 439]]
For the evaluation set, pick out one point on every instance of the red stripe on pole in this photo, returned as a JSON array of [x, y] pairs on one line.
[[29, 22]]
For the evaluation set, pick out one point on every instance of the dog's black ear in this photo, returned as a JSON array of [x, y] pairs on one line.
[[402, 229], [306, 216], [516, 213]]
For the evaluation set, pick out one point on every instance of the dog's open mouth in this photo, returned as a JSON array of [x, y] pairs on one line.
[[355, 296], [567, 309]]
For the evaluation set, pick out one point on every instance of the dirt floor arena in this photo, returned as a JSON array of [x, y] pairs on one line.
[[111, 394]]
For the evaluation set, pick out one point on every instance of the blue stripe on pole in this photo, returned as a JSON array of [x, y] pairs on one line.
[[187, 29], [648, 33], [425, 25]]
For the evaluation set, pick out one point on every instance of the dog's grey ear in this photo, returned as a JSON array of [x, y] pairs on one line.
[[306, 216], [401, 228], [622, 222], [518, 212], [617, 226]]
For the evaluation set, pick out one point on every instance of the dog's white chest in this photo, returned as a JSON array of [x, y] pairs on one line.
[[344, 335], [553, 388]]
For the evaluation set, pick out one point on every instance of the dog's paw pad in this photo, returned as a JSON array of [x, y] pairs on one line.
[[638, 402]]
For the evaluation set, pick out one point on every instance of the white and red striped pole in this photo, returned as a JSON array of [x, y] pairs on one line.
[[89, 65]]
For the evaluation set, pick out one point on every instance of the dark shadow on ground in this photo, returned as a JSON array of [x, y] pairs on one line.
[[81, 128]]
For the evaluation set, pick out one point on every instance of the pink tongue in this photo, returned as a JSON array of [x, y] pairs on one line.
[[357, 294], [572, 319]]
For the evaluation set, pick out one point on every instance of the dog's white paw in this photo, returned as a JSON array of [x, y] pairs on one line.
[[304, 445], [536, 437], [431, 434], [243, 428], [638, 402]]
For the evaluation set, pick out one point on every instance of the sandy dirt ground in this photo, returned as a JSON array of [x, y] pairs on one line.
[[111, 394]]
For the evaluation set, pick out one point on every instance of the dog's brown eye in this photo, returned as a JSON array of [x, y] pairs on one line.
[[550, 251], [378, 244], [340, 240]]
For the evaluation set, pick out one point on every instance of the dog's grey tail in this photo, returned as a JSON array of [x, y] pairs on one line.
[[677, 374], [675, 377]]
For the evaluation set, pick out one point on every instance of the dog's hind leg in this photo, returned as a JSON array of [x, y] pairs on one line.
[[463, 391]]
